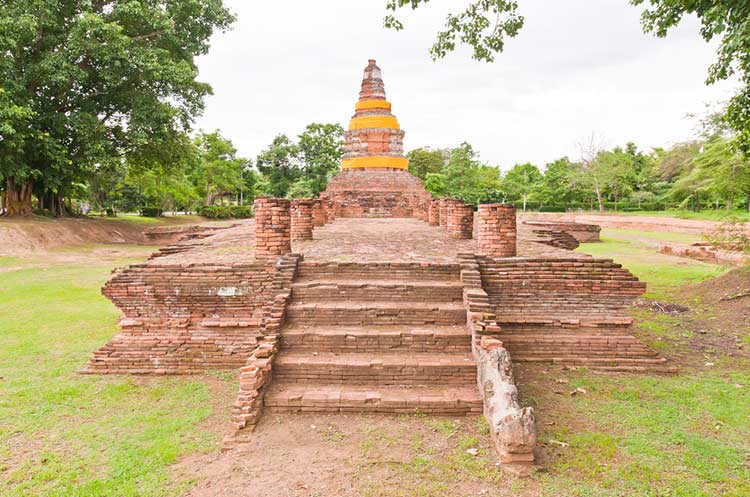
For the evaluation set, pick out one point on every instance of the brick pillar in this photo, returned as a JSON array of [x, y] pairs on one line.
[[433, 214], [443, 209], [330, 210], [318, 213], [272, 227], [460, 222], [302, 219], [497, 230]]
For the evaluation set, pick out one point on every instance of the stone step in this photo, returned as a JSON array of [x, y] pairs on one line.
[[391, 369], [408, 271], [584, 360], [306, 289], [443, 400], [375, 338], [373, 313]]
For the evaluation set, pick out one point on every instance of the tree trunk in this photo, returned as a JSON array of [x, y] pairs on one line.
[[524, 202], [18, 198], [599, 196]]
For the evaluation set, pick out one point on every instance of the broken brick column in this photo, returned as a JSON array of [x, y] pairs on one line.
[[443, 211], [497, 230], [330, 208], [272, 227], [460, 224], [318, 213], [433, 214], [302, 219]]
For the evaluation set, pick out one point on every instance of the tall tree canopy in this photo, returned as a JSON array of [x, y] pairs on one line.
[[83, 82], [485, 25]]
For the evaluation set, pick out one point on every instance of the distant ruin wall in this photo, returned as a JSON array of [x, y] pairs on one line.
[[584, 233]]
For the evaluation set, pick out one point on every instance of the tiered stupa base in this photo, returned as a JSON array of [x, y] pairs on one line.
[[377, 193]]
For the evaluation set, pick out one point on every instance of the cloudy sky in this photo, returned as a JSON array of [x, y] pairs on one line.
[[578, 67]]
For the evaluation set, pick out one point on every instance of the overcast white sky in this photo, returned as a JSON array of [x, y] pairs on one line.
[[577, 67]]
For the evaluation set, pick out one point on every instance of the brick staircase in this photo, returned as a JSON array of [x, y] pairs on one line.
[[376, 337]]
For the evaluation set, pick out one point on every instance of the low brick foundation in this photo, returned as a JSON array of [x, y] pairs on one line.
[[584, 233], [496, 235]]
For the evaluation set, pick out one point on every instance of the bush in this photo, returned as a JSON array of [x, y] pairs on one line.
[[151, 211], [226, 212]]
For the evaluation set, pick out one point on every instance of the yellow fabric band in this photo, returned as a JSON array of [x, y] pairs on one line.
[[373, 104], [388, 122], [376, 161]]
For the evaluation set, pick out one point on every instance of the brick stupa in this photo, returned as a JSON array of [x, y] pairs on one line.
[[374, 179]]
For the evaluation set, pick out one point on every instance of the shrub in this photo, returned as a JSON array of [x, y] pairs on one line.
[[226, 212], [151, 211]]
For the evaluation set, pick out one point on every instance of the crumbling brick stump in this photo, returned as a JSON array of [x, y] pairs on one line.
[[302, 219], [433, 215], [272, 227], [318, 214], [460, 223], [496, 235], [443, 211]]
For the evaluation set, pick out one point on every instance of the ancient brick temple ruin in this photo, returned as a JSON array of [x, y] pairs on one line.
[[376, 298], [374, 181]]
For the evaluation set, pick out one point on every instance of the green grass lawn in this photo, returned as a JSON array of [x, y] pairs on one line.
[[707, 215], [681, 436], [663, 273], [66, 434]]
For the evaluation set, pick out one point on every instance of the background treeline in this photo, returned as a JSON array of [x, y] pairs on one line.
[[705, 173], [206, 175]]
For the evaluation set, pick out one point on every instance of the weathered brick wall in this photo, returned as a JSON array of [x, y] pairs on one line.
[[567, 310], [496, 235], [377, 193], [185, 318], [584, 233], [189, 318], [443, 203], [460, 224], [272, 227], [302, 219]]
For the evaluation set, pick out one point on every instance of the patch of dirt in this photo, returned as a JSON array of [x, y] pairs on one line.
[[716, 326], [647, 223], [303, 455], [661, 307], [722, 324]]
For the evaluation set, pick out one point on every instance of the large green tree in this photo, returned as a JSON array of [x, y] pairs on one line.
[[520, 181], [485, 25], [83, 82]]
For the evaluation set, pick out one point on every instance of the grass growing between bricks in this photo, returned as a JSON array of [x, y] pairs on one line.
[[66, 434]]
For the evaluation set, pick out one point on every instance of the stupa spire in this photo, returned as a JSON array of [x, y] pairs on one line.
[[375, 139]]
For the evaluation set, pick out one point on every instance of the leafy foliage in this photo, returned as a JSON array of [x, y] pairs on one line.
[[83, 83]]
